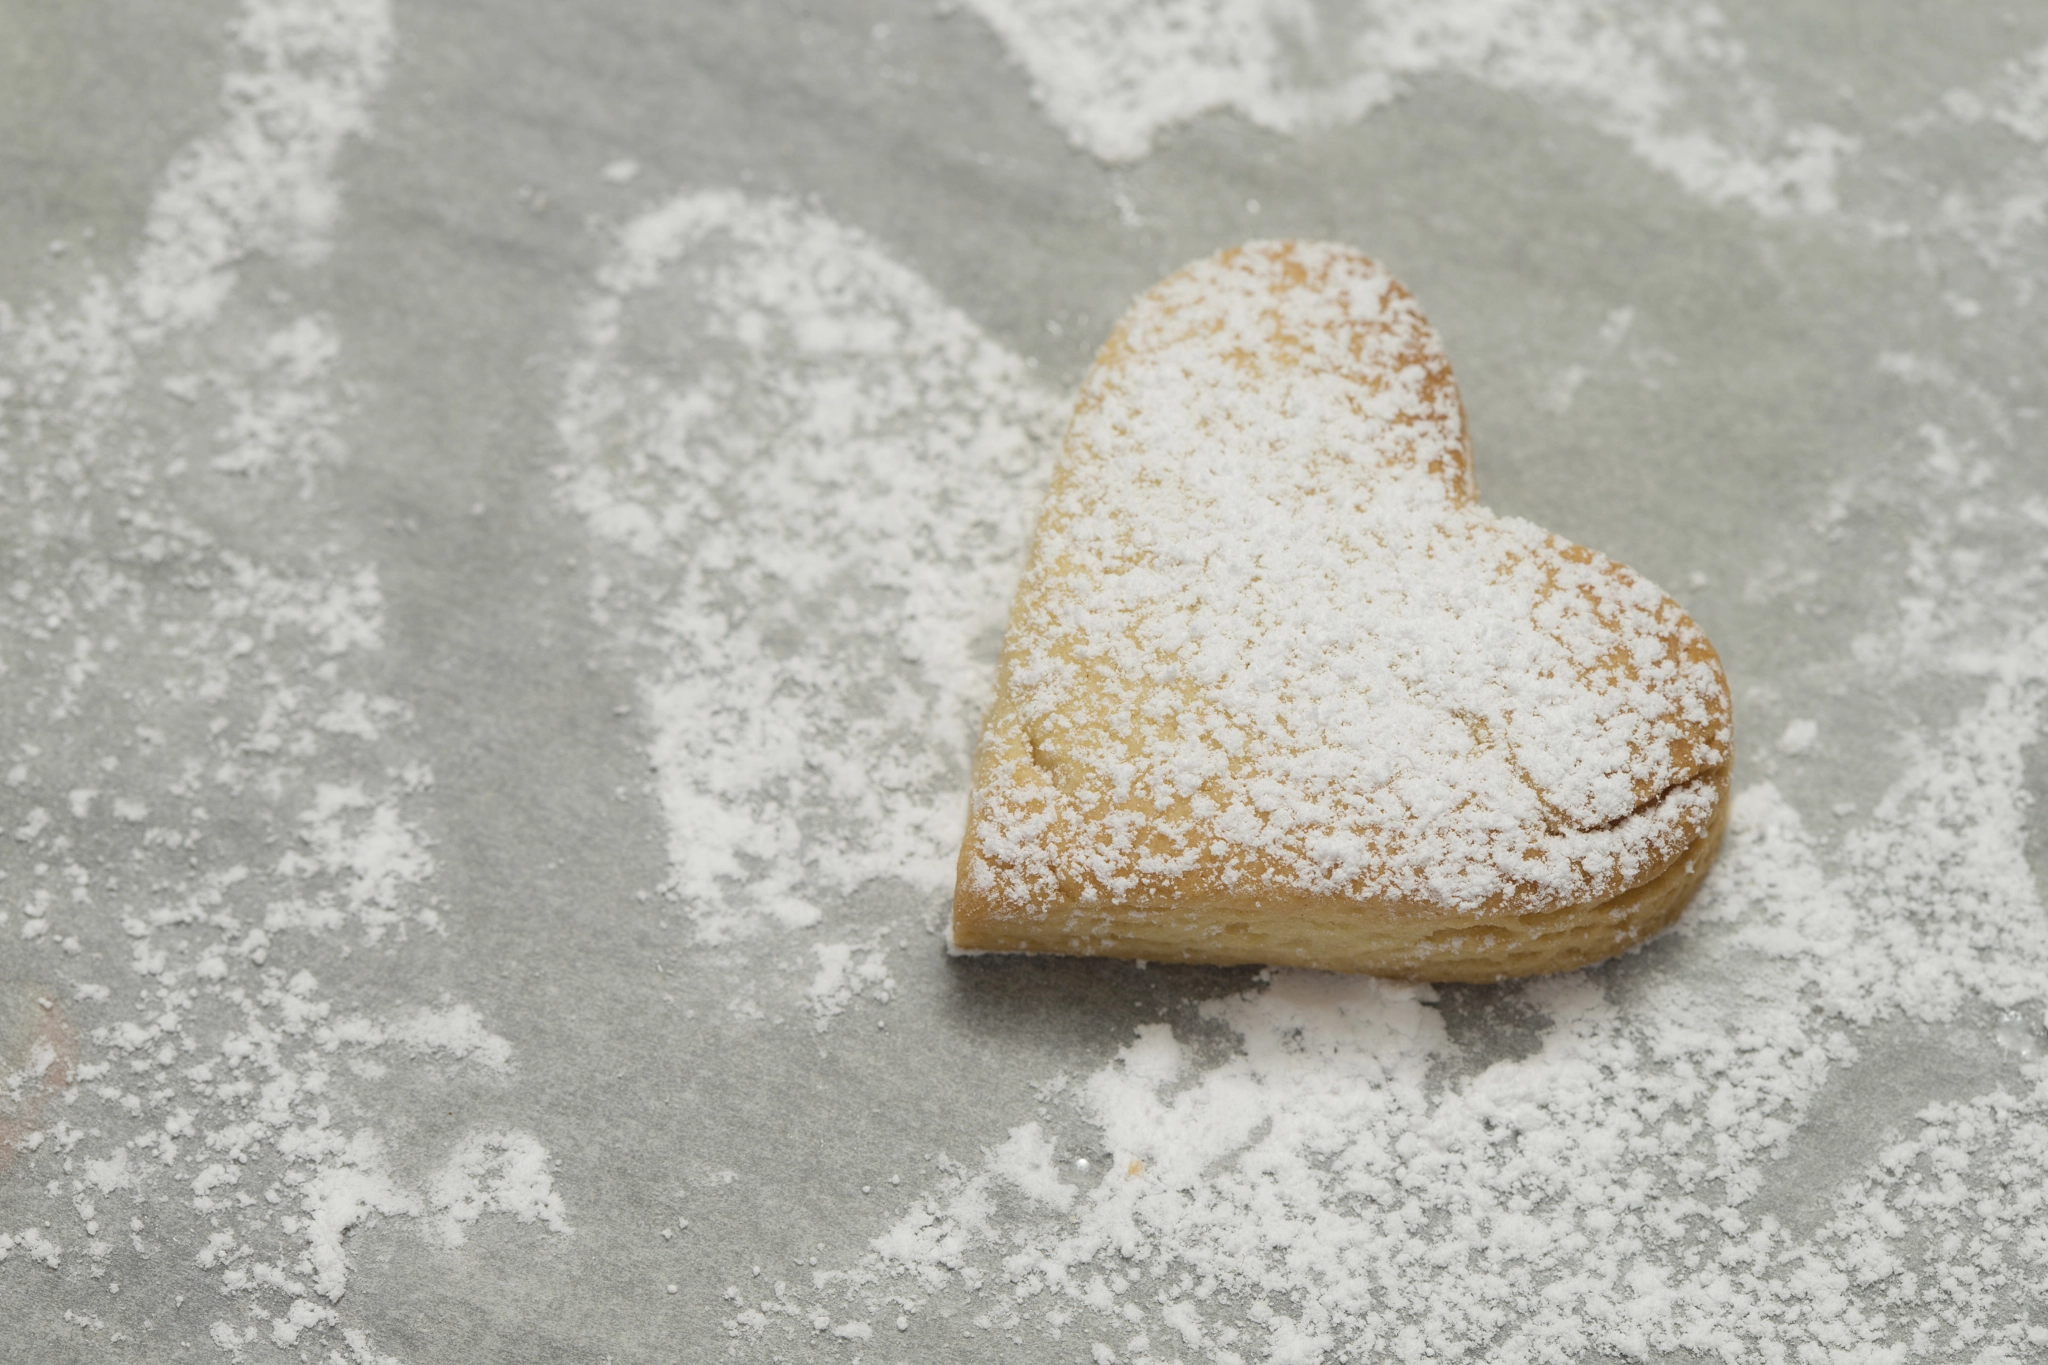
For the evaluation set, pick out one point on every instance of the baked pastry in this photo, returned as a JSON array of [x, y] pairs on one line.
[[1277, 689]]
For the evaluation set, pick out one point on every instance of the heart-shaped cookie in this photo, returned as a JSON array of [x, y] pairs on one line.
[[1277, 689]]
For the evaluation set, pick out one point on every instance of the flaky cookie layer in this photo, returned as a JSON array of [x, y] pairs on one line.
[[1407, 942]]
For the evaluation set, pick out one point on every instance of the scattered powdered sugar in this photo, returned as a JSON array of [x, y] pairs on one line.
[[1673, 85], [263, 183], [32, 1244], [1028, 1162], [847, 970], [346, 1189], [810, 482], [456, 1033], [1798, 737], [1992, 204], [494, 1173], [1564, 387], [209, 796], [2017, 98]]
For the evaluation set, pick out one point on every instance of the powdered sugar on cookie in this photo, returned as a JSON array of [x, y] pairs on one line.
[[1268, 637]]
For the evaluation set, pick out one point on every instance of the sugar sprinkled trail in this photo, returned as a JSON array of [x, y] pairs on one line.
[[1673, 87], [212, 804], [809, 481], [1677, 88]]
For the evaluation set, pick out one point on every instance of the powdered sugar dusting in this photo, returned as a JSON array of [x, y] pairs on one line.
[[263, 184], [1672, 85], [219, 816], [2017, 98], [1268, 640], [494, 1173], [847, 971], [809, 513]]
